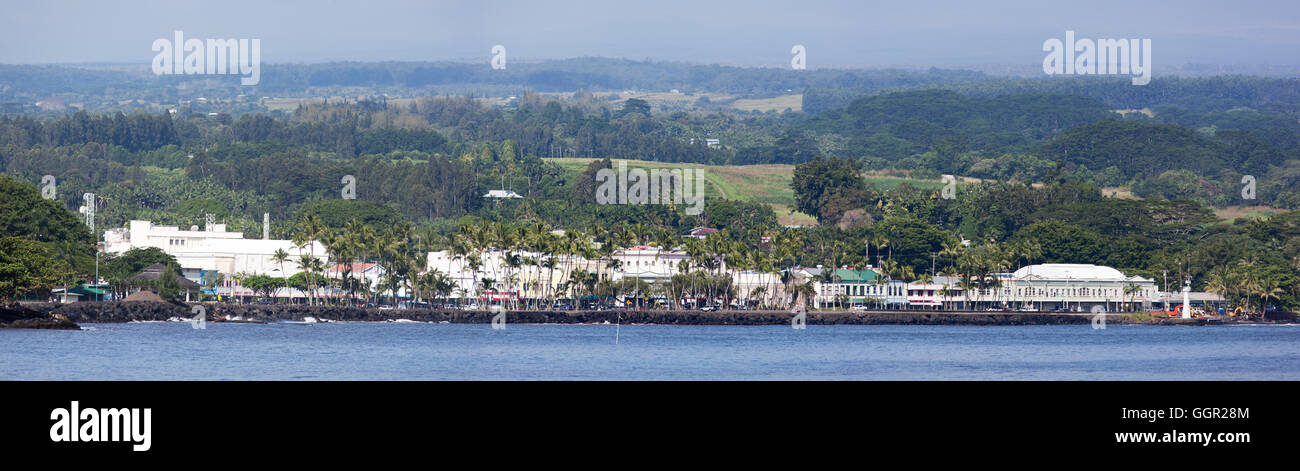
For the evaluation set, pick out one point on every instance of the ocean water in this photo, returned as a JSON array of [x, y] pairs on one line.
[[414, 351]]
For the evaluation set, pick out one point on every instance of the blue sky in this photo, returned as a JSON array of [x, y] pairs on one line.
[[754, 32]]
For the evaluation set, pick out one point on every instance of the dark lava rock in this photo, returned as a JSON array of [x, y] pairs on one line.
[[122, 311], [126, 311], [17, 316]]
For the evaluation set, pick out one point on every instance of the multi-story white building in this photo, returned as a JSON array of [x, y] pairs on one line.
[[1045, 287], [758, 288], [937, 294], [648, 263], [523, 279], [846, 287], [368, 274], [212, 249]]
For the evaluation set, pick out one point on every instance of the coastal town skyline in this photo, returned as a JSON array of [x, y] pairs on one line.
[[315, 230], [712, 190]]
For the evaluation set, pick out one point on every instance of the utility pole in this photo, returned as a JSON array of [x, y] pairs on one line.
[[1164, 291], [90, 201]]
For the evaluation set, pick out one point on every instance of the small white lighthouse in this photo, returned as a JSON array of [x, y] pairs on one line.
[[1187, 300]]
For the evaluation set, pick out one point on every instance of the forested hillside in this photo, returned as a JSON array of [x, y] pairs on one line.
[[422, 165]]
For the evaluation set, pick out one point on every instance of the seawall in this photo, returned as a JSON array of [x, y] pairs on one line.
[[126, 311]]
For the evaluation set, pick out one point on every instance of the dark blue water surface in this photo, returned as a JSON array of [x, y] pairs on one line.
[[408, 351]]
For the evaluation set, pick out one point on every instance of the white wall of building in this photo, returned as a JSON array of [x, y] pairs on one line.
[[213, 249]]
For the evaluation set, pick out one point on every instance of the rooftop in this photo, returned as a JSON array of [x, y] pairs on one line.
[[1072, 271], [502, 194], [358, 267], [855, 276]]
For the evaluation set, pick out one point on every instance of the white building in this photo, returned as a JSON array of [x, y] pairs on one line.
[[369, 274], [211, 249], [846, 287], [649, 263], [1045, 287], [758, 288], [531, 278], [524, 279], [502, 194], [937, 294]]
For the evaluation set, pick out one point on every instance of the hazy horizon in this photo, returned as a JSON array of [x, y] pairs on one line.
[[837, 34]]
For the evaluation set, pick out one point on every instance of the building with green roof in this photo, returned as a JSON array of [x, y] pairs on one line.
[[848, 287]]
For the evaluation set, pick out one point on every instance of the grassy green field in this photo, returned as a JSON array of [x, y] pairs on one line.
[[778, 103], [768, 184], [1231, 213]]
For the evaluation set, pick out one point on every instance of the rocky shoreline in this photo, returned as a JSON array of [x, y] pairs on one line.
[[17, 316], [47, 315]]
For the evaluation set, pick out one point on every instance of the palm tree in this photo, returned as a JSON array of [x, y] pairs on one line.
[[307, 264], [1219, 281], [1031, 250], [1249, 282], [828, 276], [1269, 288], [279, 257], [788, 245], [458, 249], [357, 242], [1130, 290], [767, 266], [65, 256], [437, 283], [805, 292], [1295, 287], [953, 250], [505, 240], [479, 241], [998, 260], [420, 260], [880, 242], [946, 292], [308, 230]]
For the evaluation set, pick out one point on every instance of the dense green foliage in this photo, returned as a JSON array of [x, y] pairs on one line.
[[130, 263], [1009, 225], [25, 265], [940, 119], [41, 242], [1203, 94], [421, 169]]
